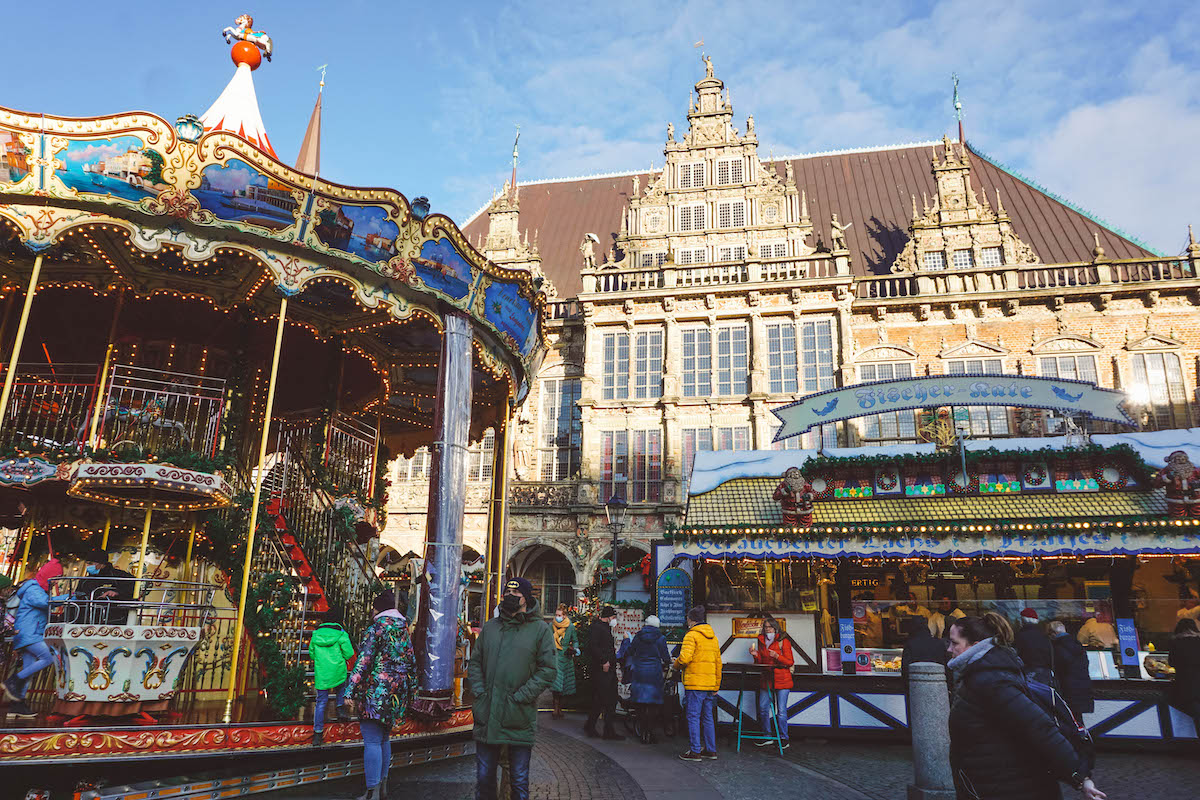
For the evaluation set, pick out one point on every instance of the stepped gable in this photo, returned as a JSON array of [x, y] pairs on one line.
[[871, 188]]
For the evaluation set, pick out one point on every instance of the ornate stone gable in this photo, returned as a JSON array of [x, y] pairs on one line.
[[974, 348], [1066, 344], [504, 244], [957, 230]]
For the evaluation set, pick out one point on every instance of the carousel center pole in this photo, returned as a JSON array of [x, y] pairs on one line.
[[107, 529], [258, 483], [11, 375], [20, 576], [137, 587], [438, 618]]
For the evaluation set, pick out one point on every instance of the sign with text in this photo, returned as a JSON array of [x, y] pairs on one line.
[[927, 545], [751, 627], [846, 637], [1128, 638], [673, 596], [629, 622], [1071, 398]]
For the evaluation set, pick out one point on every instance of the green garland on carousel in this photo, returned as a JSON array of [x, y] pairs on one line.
[[175, 457], [283, 683]]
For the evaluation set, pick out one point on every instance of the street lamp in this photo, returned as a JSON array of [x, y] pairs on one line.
[[615, 509]]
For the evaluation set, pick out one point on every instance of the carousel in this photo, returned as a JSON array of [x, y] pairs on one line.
[[209, 358]]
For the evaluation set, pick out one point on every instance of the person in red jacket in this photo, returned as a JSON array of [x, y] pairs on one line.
[[773, 648]]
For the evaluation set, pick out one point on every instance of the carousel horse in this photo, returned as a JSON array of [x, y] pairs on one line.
[[243, 29], [149, 415]]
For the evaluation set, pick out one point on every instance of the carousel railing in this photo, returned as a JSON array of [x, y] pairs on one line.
[[345, 449], [152, 601], [339, 563], [160, 410], [50, 406]]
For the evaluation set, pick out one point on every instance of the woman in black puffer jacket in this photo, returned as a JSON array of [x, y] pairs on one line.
[[1003, 746]]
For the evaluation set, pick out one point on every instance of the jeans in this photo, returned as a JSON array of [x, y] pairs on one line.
[[764, 711], [487, 759], [339, 693], [377, 752], [34, 658], [700, 707]]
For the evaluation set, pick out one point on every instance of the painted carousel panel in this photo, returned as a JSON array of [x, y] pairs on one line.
[[363, 231], [120, 167], [444, 269], [238, 192], [512, 315], [14, 157]]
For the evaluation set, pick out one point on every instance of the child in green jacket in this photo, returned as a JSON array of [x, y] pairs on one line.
[[330, 648]]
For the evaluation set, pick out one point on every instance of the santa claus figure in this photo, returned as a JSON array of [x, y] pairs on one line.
[[1182, 480], [795, 497]]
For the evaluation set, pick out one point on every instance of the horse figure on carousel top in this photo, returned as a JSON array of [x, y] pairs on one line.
[[243, 29]]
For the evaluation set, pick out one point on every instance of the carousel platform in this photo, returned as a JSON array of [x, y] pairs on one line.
[[196, 733]]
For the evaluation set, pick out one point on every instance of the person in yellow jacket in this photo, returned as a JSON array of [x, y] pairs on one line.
[[700, 660]]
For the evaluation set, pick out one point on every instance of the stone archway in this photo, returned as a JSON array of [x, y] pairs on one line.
[[551, 571], [630, 552]]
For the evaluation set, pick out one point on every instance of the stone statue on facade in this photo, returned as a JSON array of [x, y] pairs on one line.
[[670, 131], [708, 67], [750, 125], [588, 251], [837, 233], [637, 185], [789, 171]]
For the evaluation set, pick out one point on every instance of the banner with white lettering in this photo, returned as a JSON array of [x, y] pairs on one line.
[[1092, 542], [1072, 398]]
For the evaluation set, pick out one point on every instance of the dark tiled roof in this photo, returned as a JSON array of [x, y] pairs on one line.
[[747, 502], [872, 189]]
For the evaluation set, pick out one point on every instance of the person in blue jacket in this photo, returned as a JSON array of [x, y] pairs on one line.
[[646, 658], [33, 614]]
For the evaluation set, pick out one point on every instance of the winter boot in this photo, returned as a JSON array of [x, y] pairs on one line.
[[318, 738], [372, 794]]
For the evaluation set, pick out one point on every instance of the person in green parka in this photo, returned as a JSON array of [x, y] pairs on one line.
[[512, 663], [566, 647], [330, 649]]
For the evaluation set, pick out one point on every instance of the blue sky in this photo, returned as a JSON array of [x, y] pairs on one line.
[[1097, 101]]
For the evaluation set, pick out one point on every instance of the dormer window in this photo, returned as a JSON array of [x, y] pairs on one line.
[[963, 259], [993, 257], [691, 176], [935, 260], [729, 171]]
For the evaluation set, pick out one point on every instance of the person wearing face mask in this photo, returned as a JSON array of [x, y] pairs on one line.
[[104, 597], [773, 648], [602, 655], [512, 663], [700, 660], [566, 647]]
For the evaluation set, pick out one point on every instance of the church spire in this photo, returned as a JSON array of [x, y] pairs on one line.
[[513, 183], [958, 109], [309, 159]]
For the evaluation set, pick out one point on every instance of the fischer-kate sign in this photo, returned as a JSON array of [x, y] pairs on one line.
[[1069, 397]]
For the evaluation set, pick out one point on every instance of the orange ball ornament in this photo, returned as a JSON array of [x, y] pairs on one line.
[[246, 53]]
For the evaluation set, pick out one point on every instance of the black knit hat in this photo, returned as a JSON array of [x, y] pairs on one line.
[[384, 601], [607, 611], [523, 586], [698, 615]]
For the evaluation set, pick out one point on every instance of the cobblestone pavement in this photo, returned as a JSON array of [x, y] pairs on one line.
[[568, 766]]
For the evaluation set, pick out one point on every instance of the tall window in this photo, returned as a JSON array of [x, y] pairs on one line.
[[691, 176], [616, 366], [481, 456], [817, 355], [415, 468], [731, 214], [648, 364], [772, 250], [892, 426], [697, 362], [733, 375], [694, 255], [691, 218], [695, 440], [986, 421], [782, 376], [562, 429], [1158, 386], [631, 465], [808, 440], [935, 260], [735, 252], [733, 438], [729, 171], [1072, 367]]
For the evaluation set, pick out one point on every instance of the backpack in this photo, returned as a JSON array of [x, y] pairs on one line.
[[1073, 730]]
